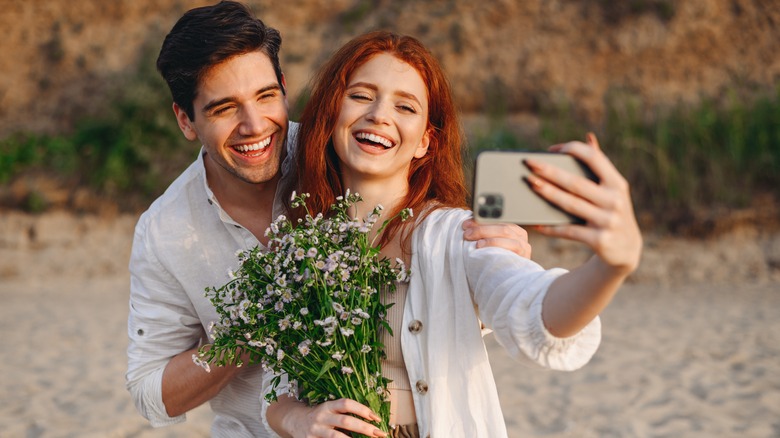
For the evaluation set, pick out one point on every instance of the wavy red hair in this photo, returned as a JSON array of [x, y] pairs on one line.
[[435, 180]]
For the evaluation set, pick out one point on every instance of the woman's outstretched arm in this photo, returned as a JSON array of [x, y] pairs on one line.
[[610, 230]]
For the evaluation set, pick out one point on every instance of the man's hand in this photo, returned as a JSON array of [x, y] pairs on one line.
[[507, 236]]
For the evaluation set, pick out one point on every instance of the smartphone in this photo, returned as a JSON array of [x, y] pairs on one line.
[[501, 193]]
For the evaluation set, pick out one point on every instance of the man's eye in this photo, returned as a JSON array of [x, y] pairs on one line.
[[221, 110]]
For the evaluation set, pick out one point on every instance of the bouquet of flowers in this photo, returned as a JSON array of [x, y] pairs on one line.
[[310, 307]]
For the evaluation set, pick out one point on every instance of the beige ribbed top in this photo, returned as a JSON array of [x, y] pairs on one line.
[[393, 367]]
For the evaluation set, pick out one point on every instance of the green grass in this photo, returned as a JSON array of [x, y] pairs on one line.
[[130, 153], [679, 161]]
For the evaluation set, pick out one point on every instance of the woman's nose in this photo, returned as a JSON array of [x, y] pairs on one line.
[[379, 113]]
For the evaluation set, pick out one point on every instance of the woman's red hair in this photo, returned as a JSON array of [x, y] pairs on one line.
[[435, 180]]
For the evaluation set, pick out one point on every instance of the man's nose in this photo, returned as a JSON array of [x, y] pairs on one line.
[[251, 122]]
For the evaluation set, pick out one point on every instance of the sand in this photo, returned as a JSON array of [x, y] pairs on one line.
[[691, 345]]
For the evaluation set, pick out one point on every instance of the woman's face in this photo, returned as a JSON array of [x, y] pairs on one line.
[[382, 124]]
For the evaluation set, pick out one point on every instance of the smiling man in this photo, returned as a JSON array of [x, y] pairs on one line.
[[222, 66]]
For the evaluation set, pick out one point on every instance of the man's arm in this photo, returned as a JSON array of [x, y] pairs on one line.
[[164, 331], [186, 385]]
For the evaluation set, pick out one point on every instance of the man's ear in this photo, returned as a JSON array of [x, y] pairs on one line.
[[185, 124], [422, 148]]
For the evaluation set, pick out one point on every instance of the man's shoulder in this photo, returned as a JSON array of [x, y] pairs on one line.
[[175, 205]]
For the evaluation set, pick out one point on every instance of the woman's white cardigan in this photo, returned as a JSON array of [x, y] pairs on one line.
[[454, 288]]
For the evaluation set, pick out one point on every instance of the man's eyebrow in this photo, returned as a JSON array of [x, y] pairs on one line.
[[215, 103], [373, 87]]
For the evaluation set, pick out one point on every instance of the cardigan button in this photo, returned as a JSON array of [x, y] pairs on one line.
[[422, 387], [415, 326]]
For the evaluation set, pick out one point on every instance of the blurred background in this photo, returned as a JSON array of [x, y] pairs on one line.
[[683, 95]]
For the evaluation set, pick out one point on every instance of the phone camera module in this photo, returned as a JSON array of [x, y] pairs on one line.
[[490, 206]]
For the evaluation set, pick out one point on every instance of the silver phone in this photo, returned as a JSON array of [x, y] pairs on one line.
[[501, 193]]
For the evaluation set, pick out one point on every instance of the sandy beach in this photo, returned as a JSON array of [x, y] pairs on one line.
[[691, 345]]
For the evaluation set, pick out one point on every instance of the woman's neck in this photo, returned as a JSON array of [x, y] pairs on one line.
[[387, 193]]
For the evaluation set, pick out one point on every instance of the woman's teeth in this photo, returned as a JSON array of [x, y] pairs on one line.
[[373, 138]]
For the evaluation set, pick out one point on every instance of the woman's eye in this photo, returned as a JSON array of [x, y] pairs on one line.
[[407, 108], [359, 97]]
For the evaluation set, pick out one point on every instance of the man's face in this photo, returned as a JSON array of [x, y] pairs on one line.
[[241, 118]]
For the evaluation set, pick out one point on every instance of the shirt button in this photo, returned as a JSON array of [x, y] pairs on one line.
[[415, 326], [422, 387], [210, 202], [140, 332]]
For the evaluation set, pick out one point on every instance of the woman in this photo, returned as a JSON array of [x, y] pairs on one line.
[[381, 122]]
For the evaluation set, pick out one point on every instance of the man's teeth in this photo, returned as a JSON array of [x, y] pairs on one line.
[[374, 138], [255, 146]]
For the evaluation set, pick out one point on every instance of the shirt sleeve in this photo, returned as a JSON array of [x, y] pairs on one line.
[[508, 291], [161, 324]]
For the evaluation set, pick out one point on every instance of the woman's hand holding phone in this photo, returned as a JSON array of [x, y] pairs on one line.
[[610, 228]]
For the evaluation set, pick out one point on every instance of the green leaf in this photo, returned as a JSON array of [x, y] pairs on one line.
[[325, 367]]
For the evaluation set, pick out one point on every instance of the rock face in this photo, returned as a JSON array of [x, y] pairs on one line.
[[520, 56]]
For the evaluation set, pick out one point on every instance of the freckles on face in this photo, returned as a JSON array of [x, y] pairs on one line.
[[383, 117]]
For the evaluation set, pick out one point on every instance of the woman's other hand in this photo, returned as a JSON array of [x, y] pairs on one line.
[[334, 419], [508, 236]]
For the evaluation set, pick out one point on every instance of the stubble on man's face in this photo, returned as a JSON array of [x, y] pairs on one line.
[[242, 118]]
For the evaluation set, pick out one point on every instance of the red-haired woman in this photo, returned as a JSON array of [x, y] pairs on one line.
[[381, 122]]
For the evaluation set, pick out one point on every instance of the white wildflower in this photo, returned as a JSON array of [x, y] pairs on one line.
[[365, 348], [304, 348], [346, 332], [201, 363], [347, 370]]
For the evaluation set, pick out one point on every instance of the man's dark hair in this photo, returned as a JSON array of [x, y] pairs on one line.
[[206, 36]]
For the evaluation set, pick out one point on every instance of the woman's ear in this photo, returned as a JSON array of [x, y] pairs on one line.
[[185, 124], [422, 148]]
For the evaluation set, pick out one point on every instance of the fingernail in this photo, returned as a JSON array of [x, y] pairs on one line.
[[376, 417], [532, 181], [378, 432], [481, 243], [468, 232]]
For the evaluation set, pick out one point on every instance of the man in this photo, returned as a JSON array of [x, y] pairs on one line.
[[222, 66]]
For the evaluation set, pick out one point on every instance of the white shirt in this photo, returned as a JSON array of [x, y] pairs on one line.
[[184, 243], [453, 287]]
